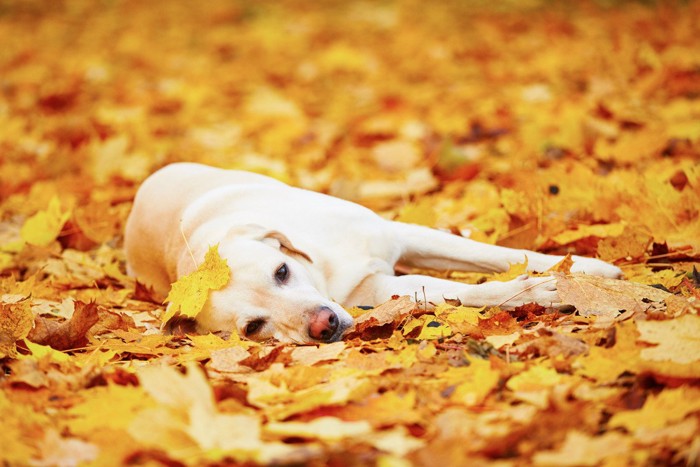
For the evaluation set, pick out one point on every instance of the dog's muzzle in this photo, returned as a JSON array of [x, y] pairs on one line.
[[325, 326]]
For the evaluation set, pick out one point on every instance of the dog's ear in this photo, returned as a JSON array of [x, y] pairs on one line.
[[278, 239], [285, 244]]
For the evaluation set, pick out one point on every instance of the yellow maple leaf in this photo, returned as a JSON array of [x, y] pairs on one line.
[[107, 407], [535, 378], [421, 213], [44, 226], [20, 425], [189, 293], [669, 406], [595, 230], [40, 351], [458, 314], [563, 266], [187, 424], [631, 243], [606, 364], [433, 329], [643, 274], [476, 382], [514, 270]]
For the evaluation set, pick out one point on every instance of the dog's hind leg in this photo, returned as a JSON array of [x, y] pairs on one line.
[[423, 247], [379, 288]]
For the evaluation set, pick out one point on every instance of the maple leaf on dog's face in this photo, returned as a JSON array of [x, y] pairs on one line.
[[189, 294]]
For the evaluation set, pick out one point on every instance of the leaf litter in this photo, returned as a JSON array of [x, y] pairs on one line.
[[568, 129]]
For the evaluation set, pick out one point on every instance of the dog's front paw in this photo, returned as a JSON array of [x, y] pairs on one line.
[[525, 289], [595, 267]]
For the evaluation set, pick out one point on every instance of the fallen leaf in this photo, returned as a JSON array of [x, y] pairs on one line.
[[660, 410], [187, 420], [605, 365], [677, 339], [382, 320], [600, 296], [41, 351], [189, 293], [16, 321], [381, 410], [563, 266], [501, 340], [229, 359], [534, 385], [474, 382], [88, 320], [310, 355], [44, 226], [514, 270], [595, 230], [107, 407], [631, 243], [580, 449]]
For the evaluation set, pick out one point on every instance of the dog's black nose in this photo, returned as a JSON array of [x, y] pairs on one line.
[[323, 324]]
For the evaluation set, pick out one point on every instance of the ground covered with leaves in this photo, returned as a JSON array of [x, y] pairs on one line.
[[562, 127]]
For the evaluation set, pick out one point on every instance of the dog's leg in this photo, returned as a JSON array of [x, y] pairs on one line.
[[423, 247], [380, 288]]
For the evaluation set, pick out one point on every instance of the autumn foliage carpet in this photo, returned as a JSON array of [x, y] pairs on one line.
[[565, 127]]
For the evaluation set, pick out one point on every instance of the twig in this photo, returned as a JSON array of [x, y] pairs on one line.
[[189, 250]]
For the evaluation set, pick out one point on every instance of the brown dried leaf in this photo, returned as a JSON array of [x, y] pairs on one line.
[[553, 345], [89, 319], [265, 357], [145, 293], [600, 296], [310, 355], [382, 320], [632, 243], [15, 323], [501, 323]]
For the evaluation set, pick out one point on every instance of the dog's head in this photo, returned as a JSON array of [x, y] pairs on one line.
[[272, 292]]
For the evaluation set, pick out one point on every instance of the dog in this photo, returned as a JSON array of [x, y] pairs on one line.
[[299, 258]]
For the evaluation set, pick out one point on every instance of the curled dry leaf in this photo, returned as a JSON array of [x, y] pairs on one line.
[[89, 319], [16, 321], [382, 320]]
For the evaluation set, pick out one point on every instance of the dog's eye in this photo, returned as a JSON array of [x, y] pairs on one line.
[[282, 273], [253, 327]]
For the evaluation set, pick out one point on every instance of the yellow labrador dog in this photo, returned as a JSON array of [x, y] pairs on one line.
[[298, 257]]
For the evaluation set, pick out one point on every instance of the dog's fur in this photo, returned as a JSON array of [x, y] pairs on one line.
[[337, 254]]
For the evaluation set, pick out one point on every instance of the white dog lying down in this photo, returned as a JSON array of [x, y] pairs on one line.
[[298, 257]]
